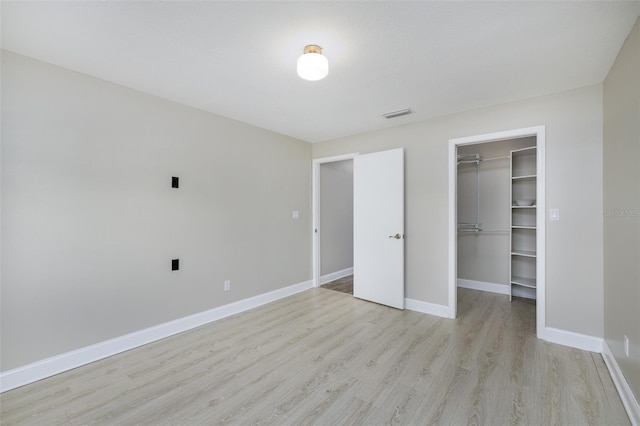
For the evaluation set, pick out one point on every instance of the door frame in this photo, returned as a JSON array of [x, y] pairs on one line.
[[539, 133], [315, 209]]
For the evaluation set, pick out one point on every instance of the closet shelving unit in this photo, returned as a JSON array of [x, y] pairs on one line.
[[522, 267]]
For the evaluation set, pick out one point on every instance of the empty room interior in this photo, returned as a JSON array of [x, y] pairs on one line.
[[301, 212]]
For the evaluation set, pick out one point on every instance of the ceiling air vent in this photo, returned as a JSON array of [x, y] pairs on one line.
[[399, 113]]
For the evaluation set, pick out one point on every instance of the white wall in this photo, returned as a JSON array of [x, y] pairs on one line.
[[622, 209], [336, 216], [573, 123], [90, 223]]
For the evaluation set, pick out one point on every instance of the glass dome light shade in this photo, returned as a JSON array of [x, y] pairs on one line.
[[313, 65]]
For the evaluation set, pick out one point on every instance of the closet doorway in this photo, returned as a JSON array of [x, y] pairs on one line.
[[496, 189]]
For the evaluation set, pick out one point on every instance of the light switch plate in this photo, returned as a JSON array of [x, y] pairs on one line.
[[554, 214], [296, 214]]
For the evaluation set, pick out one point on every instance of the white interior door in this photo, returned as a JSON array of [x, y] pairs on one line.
[[378, 227]]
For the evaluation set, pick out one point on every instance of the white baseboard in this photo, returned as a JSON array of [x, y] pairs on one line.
[[428, 308], [624, 390], [39, 370], [571, 339], [484, 286], [336, 275]]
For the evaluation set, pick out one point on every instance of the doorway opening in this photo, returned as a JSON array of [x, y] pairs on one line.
[[496, 236], [378, 226], [333, 222]]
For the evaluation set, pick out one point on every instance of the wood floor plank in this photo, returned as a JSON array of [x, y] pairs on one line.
[[326, 358]]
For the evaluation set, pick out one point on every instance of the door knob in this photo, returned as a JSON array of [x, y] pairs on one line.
[[397, 236]]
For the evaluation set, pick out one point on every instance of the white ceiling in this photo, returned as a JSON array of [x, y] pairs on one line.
[[238, 58]]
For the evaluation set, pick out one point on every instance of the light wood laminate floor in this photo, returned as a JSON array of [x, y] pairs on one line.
[[323, 357]]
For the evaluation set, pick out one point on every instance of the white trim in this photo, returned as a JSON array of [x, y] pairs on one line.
[[453, 228], [498, 136], [484, 286], [541, 285], [539, 133], [622, 386], [427, 308], [315, 209], [48, 367], [336, 275], [571, 339]]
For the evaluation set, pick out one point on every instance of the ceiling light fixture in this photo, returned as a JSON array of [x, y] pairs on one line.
[[313, 65]]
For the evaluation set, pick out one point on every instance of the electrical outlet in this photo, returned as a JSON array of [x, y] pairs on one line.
[[626, 345], [227, 285]]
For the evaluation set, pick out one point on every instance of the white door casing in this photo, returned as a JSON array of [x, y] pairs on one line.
[[378, 227]]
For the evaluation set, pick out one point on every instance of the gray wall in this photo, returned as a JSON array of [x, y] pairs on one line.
[[622, 208], [90, 223], [485, 256], [573, 123], [336, 216]]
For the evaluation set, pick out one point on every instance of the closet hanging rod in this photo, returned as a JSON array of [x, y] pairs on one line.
[[495, 158], [462, 160], [476, 230], [469, 225]]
